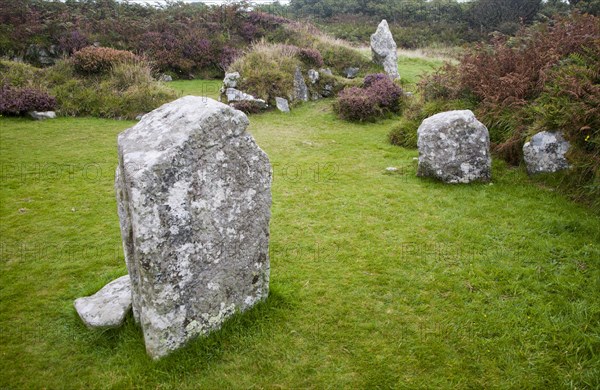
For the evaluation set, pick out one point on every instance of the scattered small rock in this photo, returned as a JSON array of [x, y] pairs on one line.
[[545, 153], [313, 76], [231, 80], [108, 307], [165, 78], [282, 104], [351, 73], [42, 115], [235, 95], [391, 169]]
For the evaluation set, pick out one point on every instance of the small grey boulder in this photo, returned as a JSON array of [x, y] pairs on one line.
[[231, 79], [313, 76], [41, 115], [282, 104], [165, 78], [108, 307], [545, 153], [235, 95], [454, 147], [351, 73]]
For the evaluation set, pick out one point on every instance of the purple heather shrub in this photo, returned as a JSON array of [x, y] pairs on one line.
[[18, 101], [311, 57], [371, 78]]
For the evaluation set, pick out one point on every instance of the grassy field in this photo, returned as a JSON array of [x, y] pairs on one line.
[[378, 279]]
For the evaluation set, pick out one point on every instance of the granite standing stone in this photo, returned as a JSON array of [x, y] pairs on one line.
[[384, 49], [194, 198], [545, 153], [300, 88], [454, 147]]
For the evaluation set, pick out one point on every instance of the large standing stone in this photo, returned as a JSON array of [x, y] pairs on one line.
[[194, 197], [454, 147], [108, 307], [384, 49], [545, 153], [300, 88]]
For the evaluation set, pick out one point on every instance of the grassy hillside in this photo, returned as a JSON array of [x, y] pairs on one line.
[[378, 279]]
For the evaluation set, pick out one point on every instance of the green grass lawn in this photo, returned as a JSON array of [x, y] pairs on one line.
[[378, 279]]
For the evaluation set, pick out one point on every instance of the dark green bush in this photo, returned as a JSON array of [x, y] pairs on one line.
[[404, 134]]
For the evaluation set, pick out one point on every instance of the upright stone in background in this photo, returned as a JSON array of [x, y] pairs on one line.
[[194, 197], [545, 153], [384, 49], [454, 147], [300, 88]]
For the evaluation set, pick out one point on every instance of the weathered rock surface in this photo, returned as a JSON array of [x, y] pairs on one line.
[[545, 153], [300, 88], [313, 76], [165, 78], [194, 197], [235, 95], [231, 80], [351, 73], [41, 55], [282, 104], [108, 307], [384, 49], [41, 115], [454, 147]]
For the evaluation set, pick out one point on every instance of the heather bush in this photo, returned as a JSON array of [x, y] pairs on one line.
[[94, 60], [378, 96], [357, 105], [248, 107], [18, 101], [311, 57]]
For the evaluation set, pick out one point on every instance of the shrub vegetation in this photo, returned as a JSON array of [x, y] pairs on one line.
[[124, 90], [18, 101], [545, 78], [379, 96]]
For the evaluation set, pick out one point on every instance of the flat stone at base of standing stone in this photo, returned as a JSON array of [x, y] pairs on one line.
[[108, 307]]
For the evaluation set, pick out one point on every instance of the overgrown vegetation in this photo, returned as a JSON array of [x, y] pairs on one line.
[[267, 69], [545, 78], [124, 88], [182, 39], [379, 96], [421, 23]]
